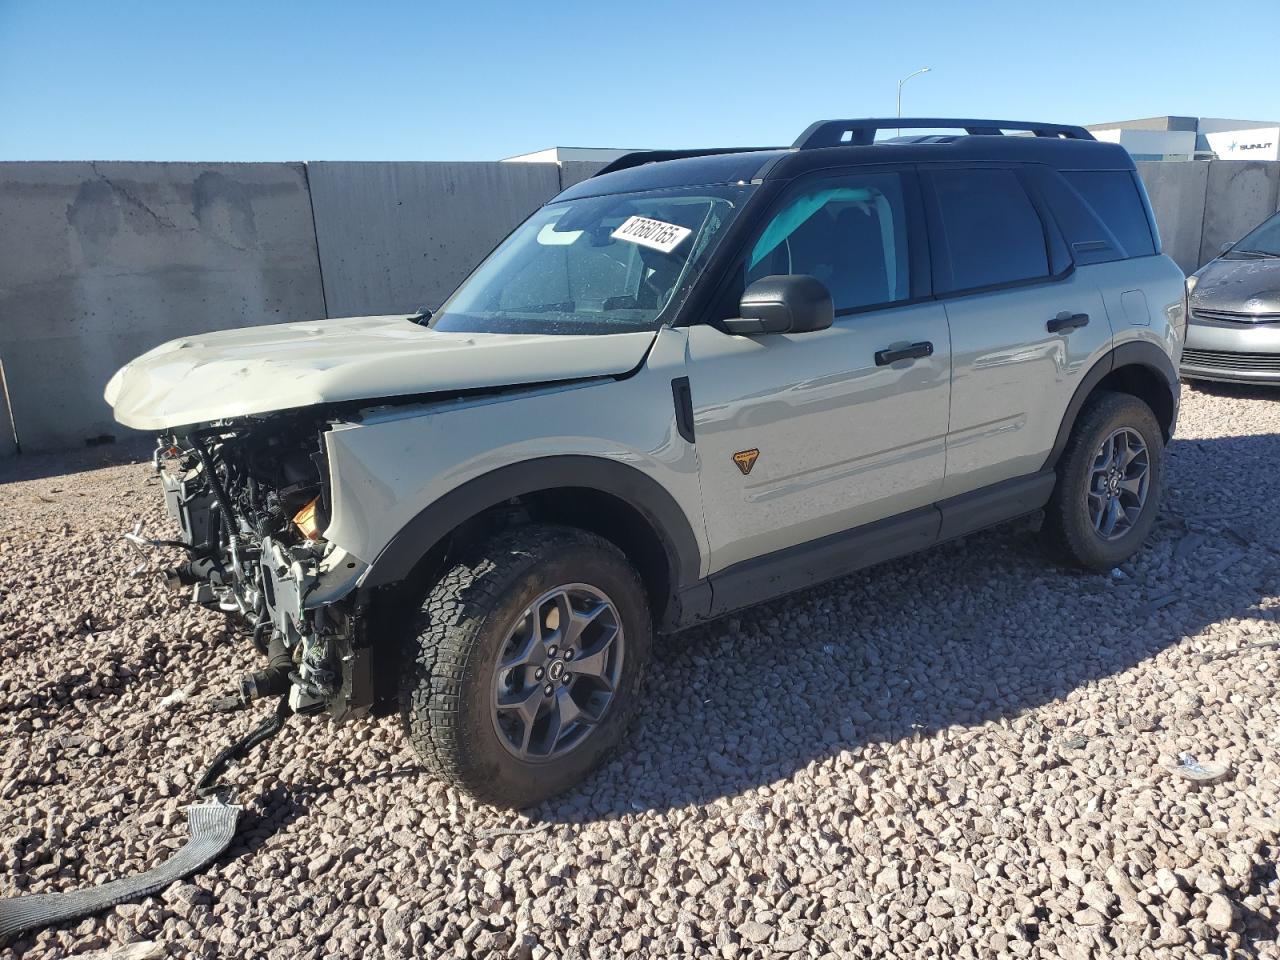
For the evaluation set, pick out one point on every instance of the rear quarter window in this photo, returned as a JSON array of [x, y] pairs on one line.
[[1112, 196]]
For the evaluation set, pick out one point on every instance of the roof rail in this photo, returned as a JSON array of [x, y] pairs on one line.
[[836, 133], [638, 157]]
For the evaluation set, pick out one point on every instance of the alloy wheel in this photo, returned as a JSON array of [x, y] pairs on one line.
[[557, 672], [1119, 481]]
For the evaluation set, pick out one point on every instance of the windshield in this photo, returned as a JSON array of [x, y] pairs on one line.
[[1264, 241], [610, 264]]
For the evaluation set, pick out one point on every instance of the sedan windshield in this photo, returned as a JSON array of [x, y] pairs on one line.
[[611, 264], [1264, 241]]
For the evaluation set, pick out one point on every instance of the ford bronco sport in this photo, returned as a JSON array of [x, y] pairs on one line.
[[691, 383]]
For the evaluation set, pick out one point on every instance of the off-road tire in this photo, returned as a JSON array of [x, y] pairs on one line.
[[452, 651], [1068, 530]]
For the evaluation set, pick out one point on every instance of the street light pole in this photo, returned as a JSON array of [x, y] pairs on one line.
[[900, 83]]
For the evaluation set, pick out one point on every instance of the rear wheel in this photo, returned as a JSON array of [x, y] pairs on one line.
[[1109, 483], [525, 662]]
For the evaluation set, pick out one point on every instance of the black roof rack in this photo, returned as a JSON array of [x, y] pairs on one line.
[[836, 133], [637, 157]]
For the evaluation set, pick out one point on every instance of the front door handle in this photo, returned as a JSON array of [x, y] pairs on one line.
[[916, 350], [1065, 322]]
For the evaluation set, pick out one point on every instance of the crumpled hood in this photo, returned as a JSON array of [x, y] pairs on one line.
[[235, 373], [1238, 286]]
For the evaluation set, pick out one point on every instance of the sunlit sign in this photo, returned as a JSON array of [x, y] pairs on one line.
[[1257, 143]]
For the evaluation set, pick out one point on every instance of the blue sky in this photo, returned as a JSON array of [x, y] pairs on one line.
[[178, 80]]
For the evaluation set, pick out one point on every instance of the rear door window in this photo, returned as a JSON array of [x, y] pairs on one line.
[[991, 233], [1113, 197]]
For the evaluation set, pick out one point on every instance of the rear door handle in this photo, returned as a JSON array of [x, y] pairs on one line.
[[916, 350], [1066, 322]]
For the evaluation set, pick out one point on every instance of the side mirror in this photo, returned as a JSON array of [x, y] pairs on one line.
[[783, 304]]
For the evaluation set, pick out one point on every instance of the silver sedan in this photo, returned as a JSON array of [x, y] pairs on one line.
[[1233, 332]]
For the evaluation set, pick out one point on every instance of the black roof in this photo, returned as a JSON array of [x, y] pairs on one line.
[[712, 167], [840, 143]]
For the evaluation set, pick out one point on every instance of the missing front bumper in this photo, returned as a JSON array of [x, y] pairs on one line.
[[297, 595]]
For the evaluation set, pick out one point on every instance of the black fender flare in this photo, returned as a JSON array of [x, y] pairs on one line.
[[1142, 353], [640, 491]]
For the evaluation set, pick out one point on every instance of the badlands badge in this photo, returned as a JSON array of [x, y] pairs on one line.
[[746, 459]]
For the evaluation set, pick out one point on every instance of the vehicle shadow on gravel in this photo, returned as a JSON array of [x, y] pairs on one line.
[[971, 632], [38, 466], [1239, 391], [274, 809]]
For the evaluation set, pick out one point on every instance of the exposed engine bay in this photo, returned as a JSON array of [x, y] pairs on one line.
[[252, 497]]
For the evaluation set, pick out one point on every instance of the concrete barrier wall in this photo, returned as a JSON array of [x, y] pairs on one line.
[[1178, 192], [398, 236], [1200, 206], [1242, 194], [102, 261]]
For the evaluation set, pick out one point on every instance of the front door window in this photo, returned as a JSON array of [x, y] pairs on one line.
[[849, 233]]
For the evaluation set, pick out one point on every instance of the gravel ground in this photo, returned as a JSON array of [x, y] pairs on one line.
[[966, 753]]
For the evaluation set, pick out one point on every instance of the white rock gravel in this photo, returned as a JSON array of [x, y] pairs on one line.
[[966, 753]]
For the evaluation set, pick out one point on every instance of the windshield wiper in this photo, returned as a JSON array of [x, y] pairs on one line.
[[1261, 254]]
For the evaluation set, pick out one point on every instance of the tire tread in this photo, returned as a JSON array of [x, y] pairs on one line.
[[440, 649], [1066, 537]]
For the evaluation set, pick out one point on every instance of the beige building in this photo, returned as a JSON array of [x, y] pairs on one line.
[[567, 154], [1193, 138]]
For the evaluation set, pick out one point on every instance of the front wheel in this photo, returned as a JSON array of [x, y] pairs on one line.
[[1109, 483], [525, 662]]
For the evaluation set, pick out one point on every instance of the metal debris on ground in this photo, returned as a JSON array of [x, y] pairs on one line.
[[1202, 773]]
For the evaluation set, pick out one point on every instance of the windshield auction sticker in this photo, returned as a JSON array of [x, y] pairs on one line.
[[651, 233]]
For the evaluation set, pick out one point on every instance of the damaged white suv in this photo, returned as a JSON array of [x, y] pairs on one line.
[[689, 384]]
